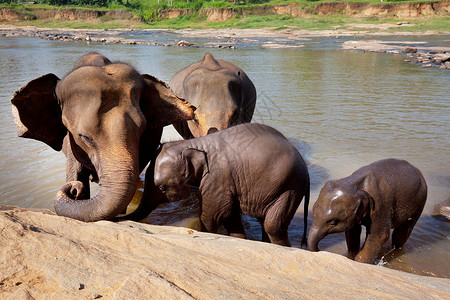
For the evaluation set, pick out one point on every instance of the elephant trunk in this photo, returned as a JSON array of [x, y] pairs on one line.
[[117, 188], [315, 235]]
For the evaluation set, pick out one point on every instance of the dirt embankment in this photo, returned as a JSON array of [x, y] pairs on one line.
[[10, 15], [398, 10]]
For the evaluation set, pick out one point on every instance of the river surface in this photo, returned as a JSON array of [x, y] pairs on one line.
[[342, 109]]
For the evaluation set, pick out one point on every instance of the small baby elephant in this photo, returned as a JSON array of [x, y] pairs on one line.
[[250, 169], [387, 194]]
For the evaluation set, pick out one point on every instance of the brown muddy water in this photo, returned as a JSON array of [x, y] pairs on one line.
[[342, 109]]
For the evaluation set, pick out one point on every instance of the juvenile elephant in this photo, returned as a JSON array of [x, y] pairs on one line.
[[108, 120], [223, 94], [249, 168], [386, 194]]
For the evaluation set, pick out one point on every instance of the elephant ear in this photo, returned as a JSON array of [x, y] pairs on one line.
[[37, 113], [196, 163], [161, 106], [365, 205]]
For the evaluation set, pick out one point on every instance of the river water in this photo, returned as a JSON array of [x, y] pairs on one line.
[[342, 109]]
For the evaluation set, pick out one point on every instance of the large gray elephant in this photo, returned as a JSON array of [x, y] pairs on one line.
[[386, 194], [249, 168], [108, 120], [223, 94]]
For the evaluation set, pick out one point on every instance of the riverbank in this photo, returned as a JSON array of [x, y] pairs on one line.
[[233, 38], [47, 256], [427, 15]]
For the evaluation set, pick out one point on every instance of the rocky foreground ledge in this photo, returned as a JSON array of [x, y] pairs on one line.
[[45, 256]]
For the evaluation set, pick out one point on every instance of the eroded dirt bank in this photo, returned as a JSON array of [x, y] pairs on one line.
[[45, 256], [396, 10]]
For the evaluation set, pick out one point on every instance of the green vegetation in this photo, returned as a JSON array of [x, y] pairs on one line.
[[150, 12]]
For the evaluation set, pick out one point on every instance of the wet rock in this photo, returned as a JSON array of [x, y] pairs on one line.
[[130, 260], [440, 58], [184, 44], [409, 49], [443, 209]]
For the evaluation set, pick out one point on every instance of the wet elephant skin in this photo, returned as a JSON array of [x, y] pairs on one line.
[[387, 194], [108, 119], [222, 93], [249, 168]]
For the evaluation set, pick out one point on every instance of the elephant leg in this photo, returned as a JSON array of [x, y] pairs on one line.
[[401, 234], [353, 238], [233, 224], [265, 236], [278, 217], [374, 242], [208, 224]]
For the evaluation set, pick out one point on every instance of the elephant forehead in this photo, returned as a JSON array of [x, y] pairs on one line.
[[206, 77], [115, 74], [336, 194], [122, 71], [92, 84], [330, 202], [166, 165]]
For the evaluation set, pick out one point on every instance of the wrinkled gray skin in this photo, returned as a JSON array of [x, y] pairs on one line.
[[386, 194], [250, 169], [108, 119], [222, 93]]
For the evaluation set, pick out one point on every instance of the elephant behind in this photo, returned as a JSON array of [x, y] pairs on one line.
[[108, 120], [223, 94]]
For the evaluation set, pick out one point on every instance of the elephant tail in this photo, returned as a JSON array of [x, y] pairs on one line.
[[305, 212]]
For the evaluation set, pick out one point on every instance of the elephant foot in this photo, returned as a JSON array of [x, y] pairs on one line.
[[72, 189]]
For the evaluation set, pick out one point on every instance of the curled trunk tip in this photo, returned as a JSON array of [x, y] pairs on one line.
[[314, 237]]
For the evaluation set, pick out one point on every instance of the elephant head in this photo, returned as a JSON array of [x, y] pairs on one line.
[[223, 94], [109, 119], [92, 59], [337, 209], [178, 170]]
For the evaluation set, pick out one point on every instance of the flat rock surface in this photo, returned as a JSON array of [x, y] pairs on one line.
[[383, 46], [44, 256]]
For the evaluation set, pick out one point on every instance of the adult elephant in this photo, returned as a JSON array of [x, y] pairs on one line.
[[108, 120], [223, 94]]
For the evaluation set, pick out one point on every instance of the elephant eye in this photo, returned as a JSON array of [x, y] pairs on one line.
[[332, 222], [162, 188], [86, 139]]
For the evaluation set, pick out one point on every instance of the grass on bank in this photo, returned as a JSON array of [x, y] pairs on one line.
[[148, 10], [196, 21]]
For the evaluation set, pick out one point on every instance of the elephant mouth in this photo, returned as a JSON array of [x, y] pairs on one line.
[[179, 194]]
